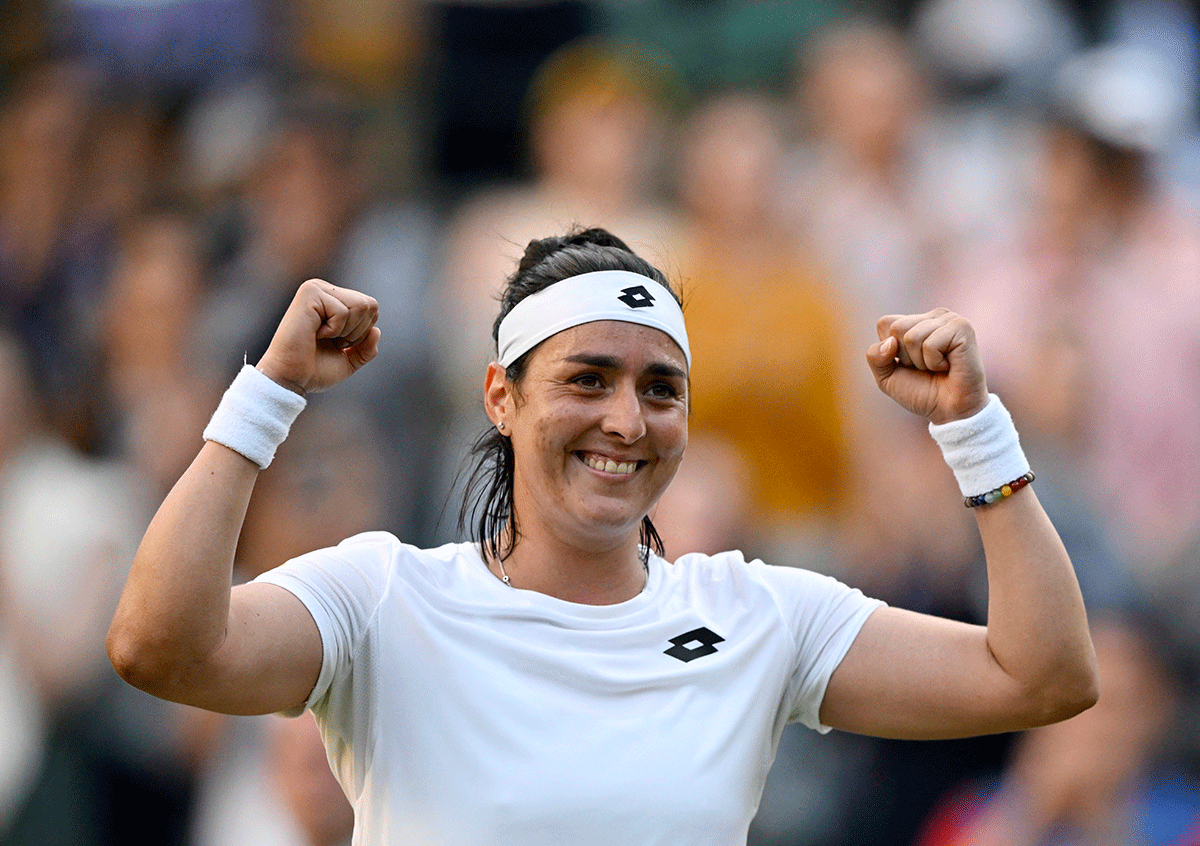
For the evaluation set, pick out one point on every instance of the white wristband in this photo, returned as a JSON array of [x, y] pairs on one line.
[[983, 450], [254, 416]]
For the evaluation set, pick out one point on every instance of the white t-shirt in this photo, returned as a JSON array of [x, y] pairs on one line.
[[459, 711]]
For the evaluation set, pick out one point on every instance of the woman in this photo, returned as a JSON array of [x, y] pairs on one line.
[[555, 680]]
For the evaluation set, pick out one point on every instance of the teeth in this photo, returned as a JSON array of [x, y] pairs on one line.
[[610, 466]]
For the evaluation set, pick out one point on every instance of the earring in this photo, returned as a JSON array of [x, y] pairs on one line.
[[500, 425]]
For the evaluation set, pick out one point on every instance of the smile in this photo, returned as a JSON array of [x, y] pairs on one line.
[[608, 465]]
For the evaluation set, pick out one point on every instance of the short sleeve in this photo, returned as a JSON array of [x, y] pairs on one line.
[[341, 587], [824, 616]]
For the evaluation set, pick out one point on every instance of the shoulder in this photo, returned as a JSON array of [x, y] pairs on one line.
[[731, 571], [386, 544], [794, 594], [385, 550], [375, 558], [733, 565]]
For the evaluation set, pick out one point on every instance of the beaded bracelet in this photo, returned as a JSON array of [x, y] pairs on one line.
[[1000, 492]]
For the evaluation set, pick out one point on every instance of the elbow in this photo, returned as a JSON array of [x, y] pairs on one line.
[[1088, 689], [1068, 693], [1070, 704], [127, 656], [137, 660]]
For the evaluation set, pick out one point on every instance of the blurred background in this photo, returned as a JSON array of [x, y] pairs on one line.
[[171, 170]]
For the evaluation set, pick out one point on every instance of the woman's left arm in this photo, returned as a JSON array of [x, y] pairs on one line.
[[915, 676]]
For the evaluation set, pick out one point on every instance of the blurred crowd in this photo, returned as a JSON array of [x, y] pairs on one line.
[[171, 171]]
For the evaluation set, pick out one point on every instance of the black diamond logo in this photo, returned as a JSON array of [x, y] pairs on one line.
[[694, 644], [636, 297]]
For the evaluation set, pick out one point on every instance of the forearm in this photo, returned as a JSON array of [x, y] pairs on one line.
[[1037, 629], [174, 610]]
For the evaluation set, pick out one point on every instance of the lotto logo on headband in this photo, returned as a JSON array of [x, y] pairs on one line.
[[636, 297]]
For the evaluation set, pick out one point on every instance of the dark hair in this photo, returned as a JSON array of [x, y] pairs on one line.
[[487, 505]]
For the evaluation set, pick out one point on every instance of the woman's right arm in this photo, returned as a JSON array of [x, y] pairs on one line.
[[181, 631]]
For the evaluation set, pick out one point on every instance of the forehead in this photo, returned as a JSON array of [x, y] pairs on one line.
[[628, 343]]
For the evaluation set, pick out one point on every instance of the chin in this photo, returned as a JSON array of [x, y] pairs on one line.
[[612, 523]]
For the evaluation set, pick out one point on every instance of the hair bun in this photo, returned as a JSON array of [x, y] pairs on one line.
[[540, 249], [596, 237]]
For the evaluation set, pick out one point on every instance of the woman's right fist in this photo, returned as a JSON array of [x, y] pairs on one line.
[[326, 334]]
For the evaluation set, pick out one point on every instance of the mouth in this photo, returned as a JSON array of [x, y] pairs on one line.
[[606, 464]]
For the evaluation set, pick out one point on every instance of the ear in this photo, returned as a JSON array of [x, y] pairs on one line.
[[497, 395]]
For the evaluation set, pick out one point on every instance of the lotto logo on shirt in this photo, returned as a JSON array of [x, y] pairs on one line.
[[694, 644]]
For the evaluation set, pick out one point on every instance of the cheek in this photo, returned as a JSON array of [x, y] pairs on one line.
[[547, 443], [673, 438]]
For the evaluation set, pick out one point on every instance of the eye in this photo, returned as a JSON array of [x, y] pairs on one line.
[[588, 381], [663, 391]]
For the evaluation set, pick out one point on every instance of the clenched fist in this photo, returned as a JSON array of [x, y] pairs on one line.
[[326, 335], [930, 364]]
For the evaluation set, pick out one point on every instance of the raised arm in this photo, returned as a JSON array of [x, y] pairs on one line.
[[911, 675], [180, 631]]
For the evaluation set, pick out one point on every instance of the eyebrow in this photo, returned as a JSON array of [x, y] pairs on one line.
[[610, 362]]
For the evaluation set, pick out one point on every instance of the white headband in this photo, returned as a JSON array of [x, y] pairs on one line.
[[601, 295]]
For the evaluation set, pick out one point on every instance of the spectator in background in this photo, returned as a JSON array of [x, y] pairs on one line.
[[297, 208], [856, 195], [23, 722], [1098, 779], [990, 60], [310, 209], [723, 43], [77, 161], [763, 315], [859, 193], [855, 191], [95, 762], [152, 392], [864, 190], [1104, 270], [48, 262]]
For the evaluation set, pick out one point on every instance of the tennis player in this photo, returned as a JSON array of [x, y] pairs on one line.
[[552, 679]]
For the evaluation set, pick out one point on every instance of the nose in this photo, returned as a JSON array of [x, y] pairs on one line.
[[623, 417]]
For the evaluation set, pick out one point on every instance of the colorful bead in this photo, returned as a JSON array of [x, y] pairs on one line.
[[1001, 492]]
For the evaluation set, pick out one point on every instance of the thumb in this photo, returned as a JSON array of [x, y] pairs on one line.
[[365, 350], [881, 357]]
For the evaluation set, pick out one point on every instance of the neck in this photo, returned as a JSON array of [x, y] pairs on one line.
[[587, 576]]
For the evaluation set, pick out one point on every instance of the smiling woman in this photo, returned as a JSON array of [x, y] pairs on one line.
[[553, 678], [601, 435], [564, 289]]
